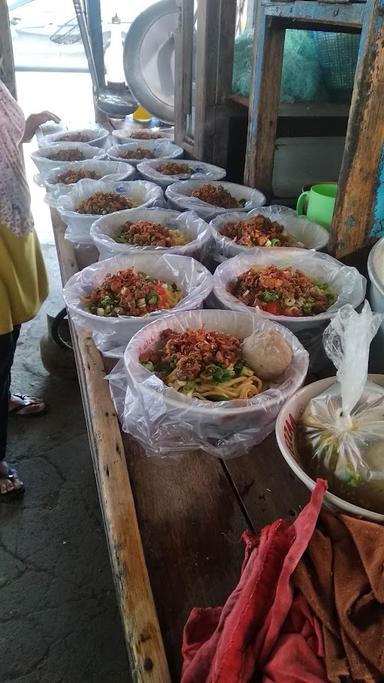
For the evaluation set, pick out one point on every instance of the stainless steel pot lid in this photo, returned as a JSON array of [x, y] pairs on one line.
[[149, 59]]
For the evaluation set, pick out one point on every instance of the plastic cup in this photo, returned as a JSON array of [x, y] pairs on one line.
[[318, 203]]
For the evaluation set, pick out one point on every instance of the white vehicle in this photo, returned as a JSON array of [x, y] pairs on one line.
[[46, 33]]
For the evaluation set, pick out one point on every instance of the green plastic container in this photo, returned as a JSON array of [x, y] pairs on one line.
[[318, 203]]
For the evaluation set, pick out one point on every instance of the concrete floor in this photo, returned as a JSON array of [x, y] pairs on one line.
[[59, 621]]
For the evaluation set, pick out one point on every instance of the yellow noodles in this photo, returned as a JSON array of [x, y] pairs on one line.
[[244, 387]]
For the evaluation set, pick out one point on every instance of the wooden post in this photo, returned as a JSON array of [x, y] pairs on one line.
[[183, 82], [214, 64], [354, 215], [264, 101], [7, 66]]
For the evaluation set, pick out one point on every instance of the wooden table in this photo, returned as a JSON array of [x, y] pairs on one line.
[[173, 525]]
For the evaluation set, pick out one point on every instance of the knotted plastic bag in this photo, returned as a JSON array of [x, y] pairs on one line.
[[341, 432]]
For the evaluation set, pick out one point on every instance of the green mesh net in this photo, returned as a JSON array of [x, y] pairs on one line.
[[317, 66]]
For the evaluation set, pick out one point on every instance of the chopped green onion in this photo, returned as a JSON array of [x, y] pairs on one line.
[[220, 373], [152, 298], [269, 296], [149, 366]]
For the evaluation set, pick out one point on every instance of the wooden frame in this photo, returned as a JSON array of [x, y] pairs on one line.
[[206, 100], [357, 213], [359, 206], [271, 21], [357, 197]]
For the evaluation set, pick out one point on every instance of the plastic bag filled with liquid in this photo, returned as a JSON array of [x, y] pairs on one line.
[[340, 435]]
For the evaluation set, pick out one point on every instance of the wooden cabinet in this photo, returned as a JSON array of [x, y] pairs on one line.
[[205, 104]]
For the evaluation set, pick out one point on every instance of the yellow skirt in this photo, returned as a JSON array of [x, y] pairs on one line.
[[23, 278]]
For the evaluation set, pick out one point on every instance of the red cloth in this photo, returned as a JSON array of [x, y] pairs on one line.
[[262, 629], [299, 653]]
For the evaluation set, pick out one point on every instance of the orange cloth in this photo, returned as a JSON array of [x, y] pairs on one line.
[[342, 578]]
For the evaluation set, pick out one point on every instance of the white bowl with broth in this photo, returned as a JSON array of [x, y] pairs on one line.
[[286, 426]]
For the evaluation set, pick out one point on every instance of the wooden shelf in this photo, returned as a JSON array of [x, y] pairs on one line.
[[304, 109], [239, 99]]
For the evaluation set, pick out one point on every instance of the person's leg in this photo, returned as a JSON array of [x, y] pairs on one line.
[[6, 360], [8, 482], [21, 404]]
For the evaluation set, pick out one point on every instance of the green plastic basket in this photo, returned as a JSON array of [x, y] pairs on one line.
[[337, 54]]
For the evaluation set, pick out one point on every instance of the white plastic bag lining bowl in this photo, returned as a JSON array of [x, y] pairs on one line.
[[180, 196], [124, 135], [146, 194], [105, 229], [311, 235], [188, 274], [98, 133], [347, 282], [45, 164], [166, 422], [199, 171], [107, 170], [162, 149]]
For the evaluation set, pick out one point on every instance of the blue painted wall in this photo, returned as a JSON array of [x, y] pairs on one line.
[[378, 219]]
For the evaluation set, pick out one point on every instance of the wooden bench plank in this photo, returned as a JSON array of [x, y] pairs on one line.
[[190, 523], [266, 484], [141, 627]]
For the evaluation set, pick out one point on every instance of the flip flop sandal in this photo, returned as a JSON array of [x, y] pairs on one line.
[[23, 409], [14, 493]]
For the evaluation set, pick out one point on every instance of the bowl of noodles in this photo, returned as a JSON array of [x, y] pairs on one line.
[[164, 172], [266, 227], [60, 181], [136, 151], [210, 198], [160, 230], [91, 199], [116, 297], [63, 154], [189, 384], [296, 287], [95, 136], [289, 441], [123, 135]]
